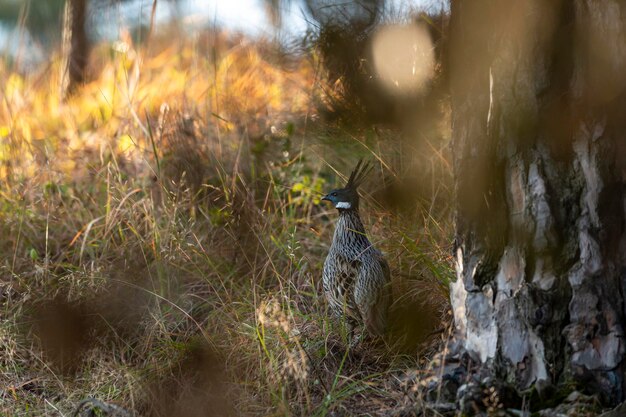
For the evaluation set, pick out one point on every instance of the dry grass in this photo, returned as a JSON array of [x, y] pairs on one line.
[[162, 239]]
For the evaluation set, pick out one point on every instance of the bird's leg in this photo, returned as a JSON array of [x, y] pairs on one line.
[[349, 329], [354, 338]]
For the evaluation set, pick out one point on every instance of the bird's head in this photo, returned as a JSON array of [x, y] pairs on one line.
[[347, 198]]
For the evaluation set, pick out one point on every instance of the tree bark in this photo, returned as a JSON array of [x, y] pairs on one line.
[[76, 44], [539, 143]]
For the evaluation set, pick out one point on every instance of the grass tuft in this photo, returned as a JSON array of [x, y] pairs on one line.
[[163, 238]]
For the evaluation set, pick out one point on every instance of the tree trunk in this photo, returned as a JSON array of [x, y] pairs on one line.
[[76, 45], [539, 142]]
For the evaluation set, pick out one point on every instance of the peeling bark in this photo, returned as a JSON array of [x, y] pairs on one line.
[[538, 94]]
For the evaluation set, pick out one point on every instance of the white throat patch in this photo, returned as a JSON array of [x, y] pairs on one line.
[[343, 205]]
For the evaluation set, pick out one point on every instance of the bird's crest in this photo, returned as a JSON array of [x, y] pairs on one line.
[[358, 174]]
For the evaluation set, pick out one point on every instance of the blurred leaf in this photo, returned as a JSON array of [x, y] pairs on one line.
[[125, 143], [290, 128]]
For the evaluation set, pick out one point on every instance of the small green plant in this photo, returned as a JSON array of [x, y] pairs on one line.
[[307, 191]]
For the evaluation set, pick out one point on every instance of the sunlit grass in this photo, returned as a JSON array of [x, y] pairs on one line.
[[170, 210]]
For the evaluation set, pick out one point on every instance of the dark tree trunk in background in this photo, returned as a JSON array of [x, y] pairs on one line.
[[539, 130], [76, 44]]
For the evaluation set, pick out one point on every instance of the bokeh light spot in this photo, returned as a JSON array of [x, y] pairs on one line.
[[404, 58]]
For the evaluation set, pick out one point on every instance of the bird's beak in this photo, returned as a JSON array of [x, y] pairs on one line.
[[326, 198]]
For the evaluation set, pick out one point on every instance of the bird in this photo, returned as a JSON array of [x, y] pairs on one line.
[[356, 277]]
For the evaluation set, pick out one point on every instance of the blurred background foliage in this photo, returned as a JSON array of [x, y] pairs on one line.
[[42, 18]]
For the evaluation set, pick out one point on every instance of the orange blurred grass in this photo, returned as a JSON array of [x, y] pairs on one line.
[[240, 89]]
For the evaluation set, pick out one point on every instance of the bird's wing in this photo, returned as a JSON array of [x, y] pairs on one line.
[[339, 276], [384, 265], [375, 295]]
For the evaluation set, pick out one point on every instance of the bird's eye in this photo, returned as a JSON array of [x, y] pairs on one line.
[[334, 194]]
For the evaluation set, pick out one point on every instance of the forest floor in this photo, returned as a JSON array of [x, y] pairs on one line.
[[162, 238]]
